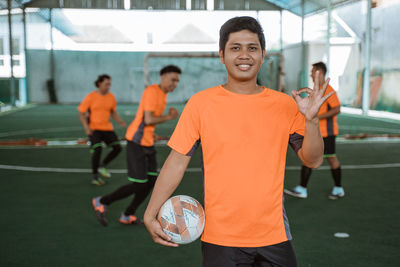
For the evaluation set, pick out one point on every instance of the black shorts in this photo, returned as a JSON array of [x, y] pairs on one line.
[[108, 137], [281, 254], [329, 146], [141, 162]]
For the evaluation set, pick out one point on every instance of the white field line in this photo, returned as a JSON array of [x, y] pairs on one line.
[[54, 144], [10, 110], [289, 168], [367, 128], [375, 114], [38, 131]]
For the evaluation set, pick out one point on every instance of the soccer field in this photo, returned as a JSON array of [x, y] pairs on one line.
[[47, 218]]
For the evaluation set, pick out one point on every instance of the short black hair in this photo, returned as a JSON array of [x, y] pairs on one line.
[[237, 24], [320, 66], [101, 78], [170, 68]]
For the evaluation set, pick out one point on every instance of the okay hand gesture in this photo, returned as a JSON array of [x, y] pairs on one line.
[[309, 106]]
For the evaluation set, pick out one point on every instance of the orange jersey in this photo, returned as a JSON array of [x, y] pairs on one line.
[[244, 142], [153, 99], [99, 108], [329, 126]]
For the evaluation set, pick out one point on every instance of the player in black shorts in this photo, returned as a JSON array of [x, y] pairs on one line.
[[95, 112], [140, 152], [281, 254], [329, 130]]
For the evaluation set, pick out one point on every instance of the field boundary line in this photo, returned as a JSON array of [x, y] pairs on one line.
[[87, 170], [16, 109]]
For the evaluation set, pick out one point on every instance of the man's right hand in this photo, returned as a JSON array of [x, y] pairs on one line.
[[156, 232], [173, 113], [88, 131]]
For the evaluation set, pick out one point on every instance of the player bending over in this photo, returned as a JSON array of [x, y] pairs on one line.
[[329, 129], [140, 152], [94, 113], [244, 130]]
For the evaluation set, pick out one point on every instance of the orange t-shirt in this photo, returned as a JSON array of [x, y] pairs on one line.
[[244, 141], [329, 126], [153, 99], [99, 108]]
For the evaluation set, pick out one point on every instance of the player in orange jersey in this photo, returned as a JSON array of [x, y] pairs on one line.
[[329, 129], [140, 152], [94, 112], [244, 130]]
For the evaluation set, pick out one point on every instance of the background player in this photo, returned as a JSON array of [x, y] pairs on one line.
[[244, 131], [329, 130], [94, 112], [140, 152]]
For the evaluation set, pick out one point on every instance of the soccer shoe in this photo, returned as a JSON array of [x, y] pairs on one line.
[[103, 171], [98, 182], [100, 210], [298, 191], [337, 192], [130, 219]]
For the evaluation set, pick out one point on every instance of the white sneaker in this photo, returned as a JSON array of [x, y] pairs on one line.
[[337, 192], [298, 191]]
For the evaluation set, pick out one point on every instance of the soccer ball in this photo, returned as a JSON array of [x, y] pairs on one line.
[[182, 218]]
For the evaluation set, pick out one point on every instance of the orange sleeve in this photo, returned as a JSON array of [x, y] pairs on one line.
[[333, 100], [85, 104], [149, 100], [298, 121], [186, 136]]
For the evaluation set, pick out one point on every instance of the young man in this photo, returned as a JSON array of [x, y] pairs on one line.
[[244, 131], [329, 129], [140, 152], [94, 113]]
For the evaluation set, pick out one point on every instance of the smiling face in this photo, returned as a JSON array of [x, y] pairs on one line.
[[243, 56]]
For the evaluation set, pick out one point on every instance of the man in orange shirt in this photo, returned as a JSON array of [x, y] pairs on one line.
[[94, 113], [329, 129], [140, 152], [244, 130]]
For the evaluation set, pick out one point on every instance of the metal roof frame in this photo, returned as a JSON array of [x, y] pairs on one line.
[[294, 6]]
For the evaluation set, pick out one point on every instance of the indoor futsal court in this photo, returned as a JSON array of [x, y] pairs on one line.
[[52, 52]]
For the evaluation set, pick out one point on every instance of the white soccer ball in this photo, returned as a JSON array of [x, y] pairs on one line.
[[182, 218]]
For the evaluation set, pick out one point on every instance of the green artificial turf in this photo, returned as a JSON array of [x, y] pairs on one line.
[[47, 218]]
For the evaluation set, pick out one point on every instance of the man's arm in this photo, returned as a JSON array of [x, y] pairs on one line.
[[168, 180], [330, 113], [83, 118], [150, 119], [312, 149], [117, 118]]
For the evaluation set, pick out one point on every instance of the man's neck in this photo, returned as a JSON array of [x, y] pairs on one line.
[[100, 92], [162, 88], [249, 87]]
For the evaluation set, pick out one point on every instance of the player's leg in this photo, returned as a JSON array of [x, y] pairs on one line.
[[330, 155], [95, 150], [101, 203], [111, 139], [143, 190], [281, 254], [300, 191], [221, 256], [136, 162]]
